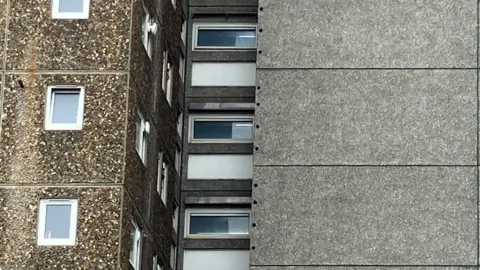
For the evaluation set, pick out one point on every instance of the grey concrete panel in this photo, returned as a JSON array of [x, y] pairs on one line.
[[216, 244], [364, 215], [223, 56], [220, 92], [368, 33], [399, 117], [217, 185], [220, 148]]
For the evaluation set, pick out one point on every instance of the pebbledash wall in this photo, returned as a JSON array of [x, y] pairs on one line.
[[366, 155], [98, 165]]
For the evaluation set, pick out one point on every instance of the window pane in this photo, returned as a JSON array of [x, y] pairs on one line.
[[135, 245], [218, 224], [70, 6], [138, 134], [222, 130], [65, 107], [57, 221], [226, 38]]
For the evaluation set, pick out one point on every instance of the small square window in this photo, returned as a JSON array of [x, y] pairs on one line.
[[57, 225], [64, 108], [224, 36], [221, 128], [162, 178], [70, 9], [142, 129], [217, 223], [136, 245]]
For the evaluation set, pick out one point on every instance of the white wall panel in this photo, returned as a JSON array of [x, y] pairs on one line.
[[216, 260], [220, 166], [223, 74]]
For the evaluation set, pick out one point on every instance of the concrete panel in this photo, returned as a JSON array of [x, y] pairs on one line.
[[364, 215], [367, 33], [366, 117]]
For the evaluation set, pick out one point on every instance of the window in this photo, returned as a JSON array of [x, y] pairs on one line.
[[178, 160], [175, 217], [217, 223], [136, 246], [162, 178], [214, 167], [64, 108], [142, 129], [149, 29], [224, 259], [182, 68], [174, 3], [70, 9], [173, 256], [223, 74], [167, 78], [183, 34], [221, 128], [179, 122], [156, 263], [224, 36], [57, 224]]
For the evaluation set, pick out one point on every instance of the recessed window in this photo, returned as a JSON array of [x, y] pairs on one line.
[[149, 29], [221, 128], [167, 77], [224, 36], [173, 256], [175, 217], [135, 245], [179, 122], [70, 9], [217, 223], [181, 68], [142, 129], [178, 160], [157, 263], [64, 108], [162, 178], [183, 34], [57, 223]]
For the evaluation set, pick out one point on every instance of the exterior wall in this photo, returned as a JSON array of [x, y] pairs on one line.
[[97, 229], [367, 115]]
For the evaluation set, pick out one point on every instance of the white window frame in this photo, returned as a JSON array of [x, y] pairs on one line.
[[222, 26], [215, 212], [42, 215], [219, 118], [138, 233], [162, 179], [56, 14], [50, 102], [145, 128]]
